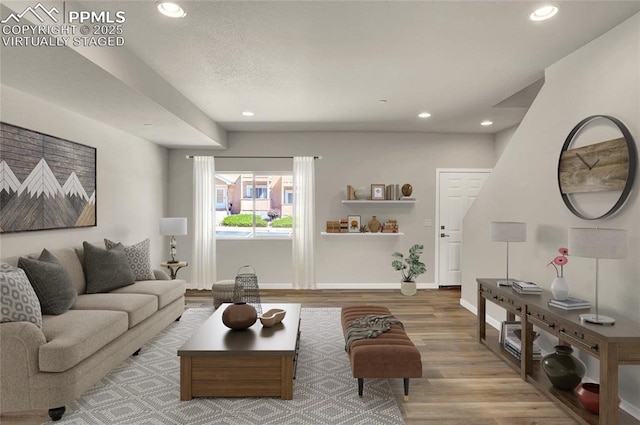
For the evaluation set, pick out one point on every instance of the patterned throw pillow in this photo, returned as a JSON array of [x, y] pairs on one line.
[[18, 300], [138, 256]]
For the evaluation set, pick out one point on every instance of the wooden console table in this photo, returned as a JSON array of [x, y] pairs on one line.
[[612, 345]]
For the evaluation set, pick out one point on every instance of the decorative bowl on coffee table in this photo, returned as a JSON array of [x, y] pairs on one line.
[[272, 317]]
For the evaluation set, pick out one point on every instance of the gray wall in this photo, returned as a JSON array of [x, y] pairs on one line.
[[601, 78], [131, 179], [358, 159]]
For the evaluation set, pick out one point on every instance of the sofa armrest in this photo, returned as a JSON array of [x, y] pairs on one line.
[[160, 275], [19, 351]]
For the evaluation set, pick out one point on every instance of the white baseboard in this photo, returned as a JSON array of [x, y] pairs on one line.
[[351, 285]]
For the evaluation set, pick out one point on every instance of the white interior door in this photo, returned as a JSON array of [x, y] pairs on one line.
[[457, 191]]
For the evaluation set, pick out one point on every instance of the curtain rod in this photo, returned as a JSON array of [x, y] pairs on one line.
[[250, 157]]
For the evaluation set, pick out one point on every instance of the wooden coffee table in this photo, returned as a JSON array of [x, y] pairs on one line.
[[257, 362]]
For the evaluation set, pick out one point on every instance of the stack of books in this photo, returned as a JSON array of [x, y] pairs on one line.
[[522, 287], [390, 226], [512, 344], [570, 303], [333, 227]]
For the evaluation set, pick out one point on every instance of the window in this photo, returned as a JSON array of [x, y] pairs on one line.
[[288, 196], [255, 205]]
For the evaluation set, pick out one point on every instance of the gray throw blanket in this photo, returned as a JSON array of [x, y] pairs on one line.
[[369, 327]]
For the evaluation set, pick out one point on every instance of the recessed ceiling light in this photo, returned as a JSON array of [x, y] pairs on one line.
[[170, 9], [424, 115], [543, 13], [486, 123], [247, 114]]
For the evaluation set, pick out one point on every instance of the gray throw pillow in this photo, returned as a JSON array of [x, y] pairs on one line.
[[106, 269], [138, 256], [51, 282], [18, 300]]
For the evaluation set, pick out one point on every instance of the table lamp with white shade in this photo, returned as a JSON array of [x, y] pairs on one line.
[[173, 226], [508, 231], [598, 243]]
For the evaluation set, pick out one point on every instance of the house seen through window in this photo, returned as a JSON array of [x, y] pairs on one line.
[[252, 204]]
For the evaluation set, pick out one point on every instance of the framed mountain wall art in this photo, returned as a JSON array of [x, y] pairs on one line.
[[45, 182]]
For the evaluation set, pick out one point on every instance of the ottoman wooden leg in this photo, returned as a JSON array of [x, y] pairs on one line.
[[406, 389], [360, 386]]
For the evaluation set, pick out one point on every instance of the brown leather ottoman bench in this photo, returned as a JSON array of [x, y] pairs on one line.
[[389, 355]]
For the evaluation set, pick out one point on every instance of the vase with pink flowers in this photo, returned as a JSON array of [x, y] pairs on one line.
[[559, 286]]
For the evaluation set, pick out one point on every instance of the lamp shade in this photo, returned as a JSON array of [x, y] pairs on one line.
[[508, 231], [173, 226], [598, 243]]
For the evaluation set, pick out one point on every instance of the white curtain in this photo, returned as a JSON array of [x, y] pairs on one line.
[[203, 272], [303, 223]]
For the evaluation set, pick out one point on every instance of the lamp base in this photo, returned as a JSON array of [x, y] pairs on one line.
[[508, 282], [597, 319], [173, 261]]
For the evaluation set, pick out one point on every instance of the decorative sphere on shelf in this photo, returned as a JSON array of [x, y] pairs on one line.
[[407, 189], [362, 193]]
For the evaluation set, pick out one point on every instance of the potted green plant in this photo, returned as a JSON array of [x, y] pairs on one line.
[[410, 267]]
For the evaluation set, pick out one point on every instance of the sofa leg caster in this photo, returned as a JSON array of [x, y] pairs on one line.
[[360, 386], [56, 413], [137, 352], [406, 389]]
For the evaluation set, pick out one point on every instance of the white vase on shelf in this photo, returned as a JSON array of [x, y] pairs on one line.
[[559, 288]]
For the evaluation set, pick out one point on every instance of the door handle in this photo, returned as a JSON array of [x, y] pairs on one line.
[[442, 235]]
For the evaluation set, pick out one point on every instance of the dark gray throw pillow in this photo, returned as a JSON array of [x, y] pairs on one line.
[[106, 269], [51, 282]]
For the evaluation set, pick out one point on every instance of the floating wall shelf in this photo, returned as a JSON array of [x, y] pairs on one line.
[[366, 234], [381, 202]]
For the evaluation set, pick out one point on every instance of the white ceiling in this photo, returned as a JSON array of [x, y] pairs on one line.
[[309, 65]]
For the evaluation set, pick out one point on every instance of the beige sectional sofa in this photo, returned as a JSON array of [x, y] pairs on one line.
[[46, 368]]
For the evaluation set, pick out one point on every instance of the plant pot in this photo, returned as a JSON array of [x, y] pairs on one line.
[[559, 288], [238, 316], [408, 288], [564, 370]]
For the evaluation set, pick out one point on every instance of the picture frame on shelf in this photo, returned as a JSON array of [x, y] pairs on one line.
[[354, 223], [377, 192]]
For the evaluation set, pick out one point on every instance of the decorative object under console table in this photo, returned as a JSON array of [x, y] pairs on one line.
[[611, 345]]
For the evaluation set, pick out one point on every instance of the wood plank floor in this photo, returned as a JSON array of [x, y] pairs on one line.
[[463, 382]]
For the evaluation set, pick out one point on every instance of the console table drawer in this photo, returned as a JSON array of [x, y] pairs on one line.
[[576, 336], [542, 319], [486, 290], [509, 303]]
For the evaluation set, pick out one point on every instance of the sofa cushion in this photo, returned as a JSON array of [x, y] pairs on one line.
[[68, 257], [137, 306], [76, 335], [138, 256], [106, 269], [18, 300], [51, 282], [167, 291]]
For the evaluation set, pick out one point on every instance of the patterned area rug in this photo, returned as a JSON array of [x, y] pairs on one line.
[[145, 390]]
